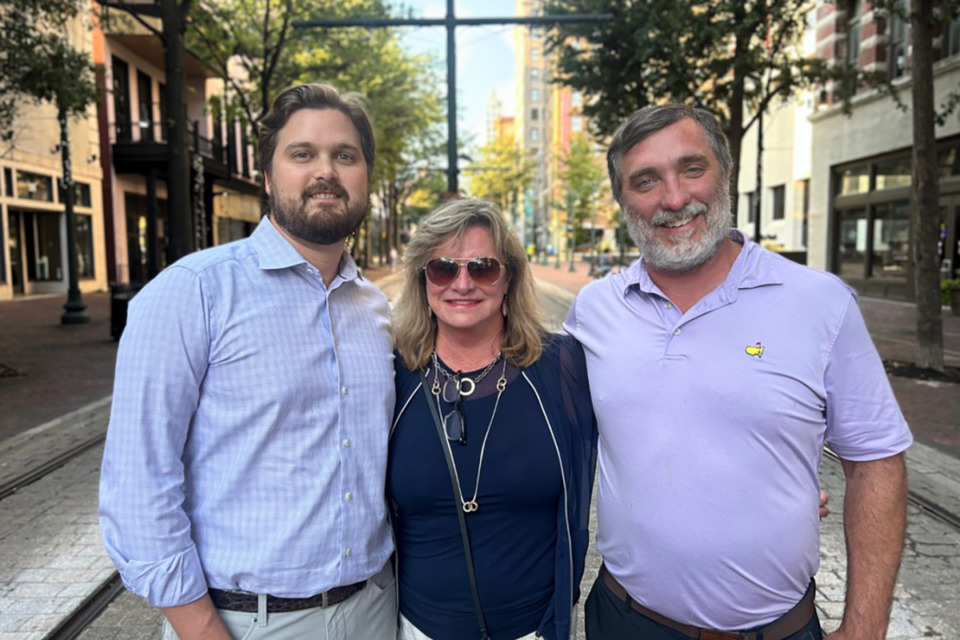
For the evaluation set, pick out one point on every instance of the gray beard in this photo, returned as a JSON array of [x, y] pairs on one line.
[[687, 254], [291, 214]]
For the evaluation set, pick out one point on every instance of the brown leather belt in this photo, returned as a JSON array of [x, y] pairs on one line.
[[247, 602], [783, 627]]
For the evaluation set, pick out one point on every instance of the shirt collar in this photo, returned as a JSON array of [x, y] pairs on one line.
[[276, 252], [754, 267]]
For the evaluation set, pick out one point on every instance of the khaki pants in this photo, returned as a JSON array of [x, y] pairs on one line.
[[370, 614]]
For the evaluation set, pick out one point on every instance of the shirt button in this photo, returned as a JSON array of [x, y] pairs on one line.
[[343, 390], [346, 444], [668, 306], [348, 552], [676, 331], [348, 496]]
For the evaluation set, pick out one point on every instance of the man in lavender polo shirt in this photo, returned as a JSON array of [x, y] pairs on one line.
[[718, 371]]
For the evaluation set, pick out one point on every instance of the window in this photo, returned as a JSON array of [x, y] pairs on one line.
[[576, 99], [81, 193], [145, 106], [891, 240], [852, 243], [534, 74], [853, 33], [534, 95], [536, 32], [44, 261], [534, 114], [534, 53], [534, 134], [854, 180], [778, 201], [121, 99], [33, 186], [951, 39], [898, 41], [893, 172], [84, 242], [576, 124], [8, 181]]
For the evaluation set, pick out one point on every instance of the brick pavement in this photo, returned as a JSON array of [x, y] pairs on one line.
[[63, 367]]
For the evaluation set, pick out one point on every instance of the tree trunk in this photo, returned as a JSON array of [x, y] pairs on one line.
[[180, 228], [925, 198]]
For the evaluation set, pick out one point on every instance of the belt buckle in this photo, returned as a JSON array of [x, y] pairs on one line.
[[708, 634]]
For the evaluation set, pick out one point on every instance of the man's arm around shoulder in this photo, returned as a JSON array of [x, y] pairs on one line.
[[874, 522]]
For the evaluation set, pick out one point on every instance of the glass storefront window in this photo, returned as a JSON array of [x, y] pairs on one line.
[[893, 172], [949, 162], [891, 240], [84, 240], [43, 248], [854, 180], [33, 186], [852, 243]]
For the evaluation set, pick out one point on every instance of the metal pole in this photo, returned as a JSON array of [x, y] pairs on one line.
[[75, 309], [451, 23], [758, 209], [593, 238]]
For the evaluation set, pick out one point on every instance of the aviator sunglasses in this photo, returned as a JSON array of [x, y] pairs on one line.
[[483, 271]]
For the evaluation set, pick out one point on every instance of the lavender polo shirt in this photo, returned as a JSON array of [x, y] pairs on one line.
[[712, 425]]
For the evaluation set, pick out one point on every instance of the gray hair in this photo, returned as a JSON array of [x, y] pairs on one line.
[[649, 120]]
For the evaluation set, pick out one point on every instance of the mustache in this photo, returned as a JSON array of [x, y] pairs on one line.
[[664, 216], [324, 185]]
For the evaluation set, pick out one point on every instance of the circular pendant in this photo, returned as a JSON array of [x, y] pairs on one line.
[[470, 507], [467, 386]]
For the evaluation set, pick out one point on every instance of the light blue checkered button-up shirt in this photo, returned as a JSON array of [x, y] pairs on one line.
[[248, 438]]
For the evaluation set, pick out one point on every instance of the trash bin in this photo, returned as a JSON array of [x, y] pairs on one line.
[[120, 296]]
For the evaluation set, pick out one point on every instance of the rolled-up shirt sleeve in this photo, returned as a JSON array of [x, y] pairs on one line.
[[161, 363]]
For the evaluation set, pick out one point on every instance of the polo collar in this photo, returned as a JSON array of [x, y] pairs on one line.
[[754, 267]]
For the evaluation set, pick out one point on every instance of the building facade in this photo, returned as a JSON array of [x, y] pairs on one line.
[[860, 183], [33, 257]]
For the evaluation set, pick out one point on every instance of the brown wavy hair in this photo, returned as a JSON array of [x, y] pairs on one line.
[[414, 329]]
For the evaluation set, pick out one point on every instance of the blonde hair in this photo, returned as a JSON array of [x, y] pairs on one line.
[[415, 331]]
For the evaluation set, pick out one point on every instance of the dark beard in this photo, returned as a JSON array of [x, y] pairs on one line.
[[320, 228]]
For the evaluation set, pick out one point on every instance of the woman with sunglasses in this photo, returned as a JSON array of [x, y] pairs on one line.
[[493, 446]]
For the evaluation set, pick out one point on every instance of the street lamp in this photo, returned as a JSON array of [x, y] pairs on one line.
[[571, 237]]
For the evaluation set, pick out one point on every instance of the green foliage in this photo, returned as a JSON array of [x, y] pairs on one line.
[[503, 172], [38, 63], [948, 288], [728, 56], [582, 175]]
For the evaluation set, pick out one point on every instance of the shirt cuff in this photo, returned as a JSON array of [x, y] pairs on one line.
[[170, 582]]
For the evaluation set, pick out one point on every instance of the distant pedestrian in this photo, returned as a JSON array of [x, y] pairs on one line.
[[394, 258], [744, 364], [242, 488]]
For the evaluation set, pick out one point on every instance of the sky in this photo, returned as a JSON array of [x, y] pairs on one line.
[[484, 58]]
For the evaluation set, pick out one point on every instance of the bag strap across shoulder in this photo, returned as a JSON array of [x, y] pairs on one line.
[[484, 634]]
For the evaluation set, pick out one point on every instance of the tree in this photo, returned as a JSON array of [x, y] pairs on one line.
[[40, 63], [503, 172], [582, 175], [734, 58]]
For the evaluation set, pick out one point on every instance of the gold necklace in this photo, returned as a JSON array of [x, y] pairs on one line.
[[470, 506]]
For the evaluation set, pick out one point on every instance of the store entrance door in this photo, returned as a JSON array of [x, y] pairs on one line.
[[16, 251], [949, 242]]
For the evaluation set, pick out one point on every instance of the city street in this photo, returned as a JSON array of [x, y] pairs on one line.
[[51, 558]]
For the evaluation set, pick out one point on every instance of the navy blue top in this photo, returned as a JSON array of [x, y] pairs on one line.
[[519, 533]]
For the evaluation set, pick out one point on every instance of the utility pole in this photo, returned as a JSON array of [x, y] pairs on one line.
[[451, 22]]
